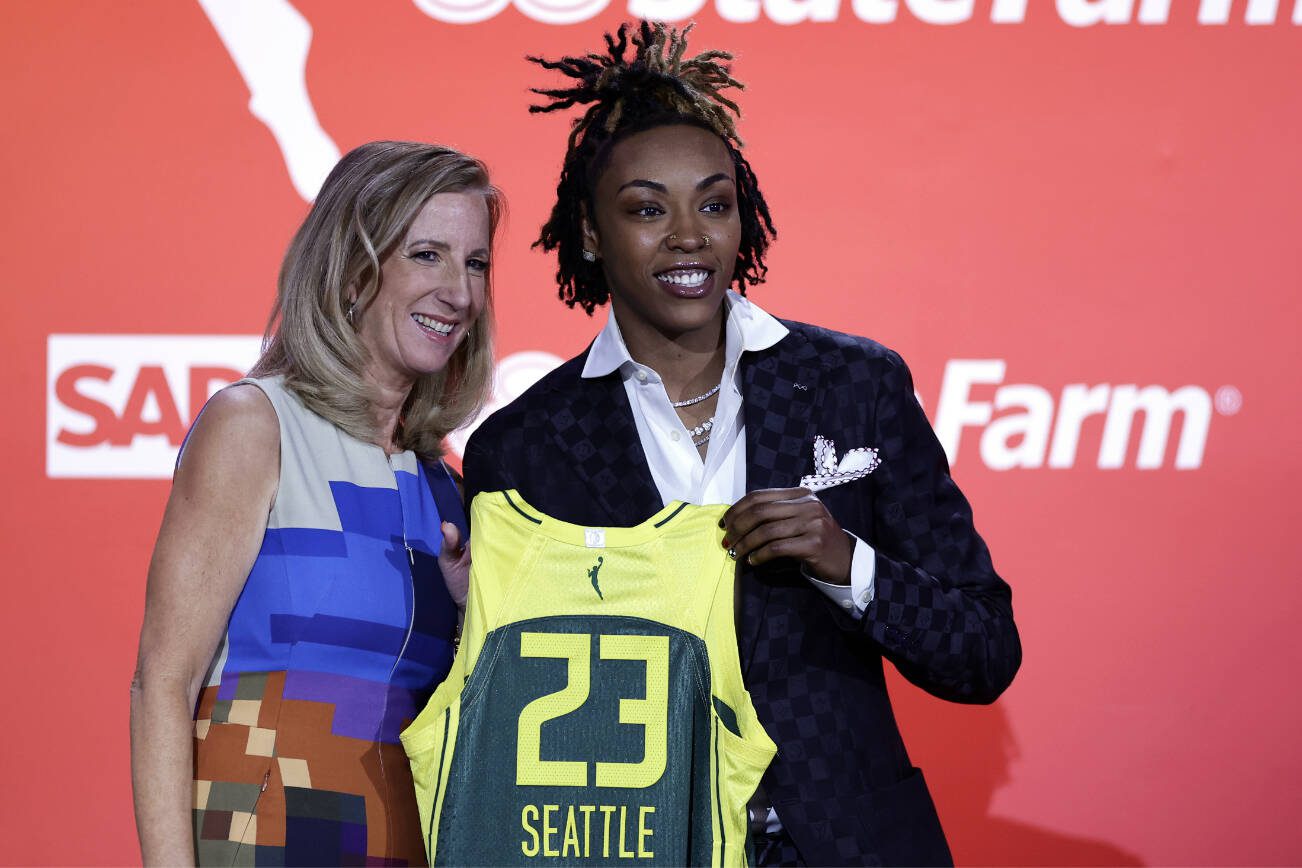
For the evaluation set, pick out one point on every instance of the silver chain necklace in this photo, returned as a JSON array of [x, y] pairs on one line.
[[700, 435], [698, 399]]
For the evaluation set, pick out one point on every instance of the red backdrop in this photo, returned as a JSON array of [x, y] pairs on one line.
[[1057, 214]]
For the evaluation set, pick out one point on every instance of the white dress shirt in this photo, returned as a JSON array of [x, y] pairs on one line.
[[676, 465]]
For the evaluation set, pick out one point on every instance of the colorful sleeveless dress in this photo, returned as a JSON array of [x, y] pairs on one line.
[[339, 637]]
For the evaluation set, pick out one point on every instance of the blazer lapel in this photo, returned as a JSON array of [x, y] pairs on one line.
[[593, 426], [780, 390]]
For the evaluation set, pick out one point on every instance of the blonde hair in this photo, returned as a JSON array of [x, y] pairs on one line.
[[363, 211]]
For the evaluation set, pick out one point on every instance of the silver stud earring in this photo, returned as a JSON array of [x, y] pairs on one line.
[[589, 256], [348, 315]]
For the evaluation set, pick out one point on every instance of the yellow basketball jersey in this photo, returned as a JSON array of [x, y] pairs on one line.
[[595, 712]]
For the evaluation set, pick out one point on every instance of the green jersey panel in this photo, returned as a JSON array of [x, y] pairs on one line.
[[590, 729]]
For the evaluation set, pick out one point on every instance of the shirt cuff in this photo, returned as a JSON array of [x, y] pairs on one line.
[[853, 598]]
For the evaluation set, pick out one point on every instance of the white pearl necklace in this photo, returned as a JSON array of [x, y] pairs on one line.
[[703, 428]]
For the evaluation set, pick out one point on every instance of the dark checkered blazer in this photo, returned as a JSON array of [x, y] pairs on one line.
[[842, 782]]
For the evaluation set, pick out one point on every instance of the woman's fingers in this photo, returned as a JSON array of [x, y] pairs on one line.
[[784, 537], [451, 538], [762, 506], [454, 562]]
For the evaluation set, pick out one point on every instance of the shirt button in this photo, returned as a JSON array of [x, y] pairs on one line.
[[865, 598], [641, 376], [673, 435], [847, 604]]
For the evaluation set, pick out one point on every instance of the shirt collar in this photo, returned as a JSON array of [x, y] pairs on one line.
[[749, 329]]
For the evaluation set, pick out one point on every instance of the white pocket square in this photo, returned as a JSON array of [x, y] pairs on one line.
[[855, 464]]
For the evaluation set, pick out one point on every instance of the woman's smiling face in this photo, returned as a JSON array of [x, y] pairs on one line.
[[667, 229], [432, 288]]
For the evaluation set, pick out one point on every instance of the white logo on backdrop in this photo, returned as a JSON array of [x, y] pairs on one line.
[[1036, 427], [548, 12], [119, 406], [1077, 13], [269, 42]]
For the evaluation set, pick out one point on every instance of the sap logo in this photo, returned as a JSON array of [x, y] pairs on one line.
[[120, 405], [1035, 431]]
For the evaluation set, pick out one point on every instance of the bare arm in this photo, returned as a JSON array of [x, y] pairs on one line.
[[212, 530]]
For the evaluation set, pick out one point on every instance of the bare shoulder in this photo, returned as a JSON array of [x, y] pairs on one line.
[[238, 416], [235, 442], [243, 410]]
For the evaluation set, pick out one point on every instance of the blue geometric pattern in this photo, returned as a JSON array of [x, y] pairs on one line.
[[340, 603]]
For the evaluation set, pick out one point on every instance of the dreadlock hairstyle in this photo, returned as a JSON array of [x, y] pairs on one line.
[[656, 87]]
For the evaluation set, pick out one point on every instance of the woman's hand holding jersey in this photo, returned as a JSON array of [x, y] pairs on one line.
[[789, 523]]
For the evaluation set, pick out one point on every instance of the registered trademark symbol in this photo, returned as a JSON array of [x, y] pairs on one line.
[[1229, 400]]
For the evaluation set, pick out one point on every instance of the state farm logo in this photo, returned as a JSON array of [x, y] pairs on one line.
[[545, 11], [1038, 430], [120, 405], [269, 41], [1076, 13]]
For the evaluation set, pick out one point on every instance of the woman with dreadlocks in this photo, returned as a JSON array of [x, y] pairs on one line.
[[691, 392]]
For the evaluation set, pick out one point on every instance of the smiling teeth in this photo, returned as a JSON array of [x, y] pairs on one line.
[[685, 278], [443, 328]]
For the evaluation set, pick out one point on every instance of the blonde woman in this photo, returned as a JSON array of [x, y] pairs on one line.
[[305, 586]]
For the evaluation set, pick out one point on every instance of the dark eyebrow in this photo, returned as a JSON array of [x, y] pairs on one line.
[[650, 185], [661, 188], [714, 179]]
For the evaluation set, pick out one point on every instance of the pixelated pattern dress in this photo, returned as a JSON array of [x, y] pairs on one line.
[[340, 635]]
